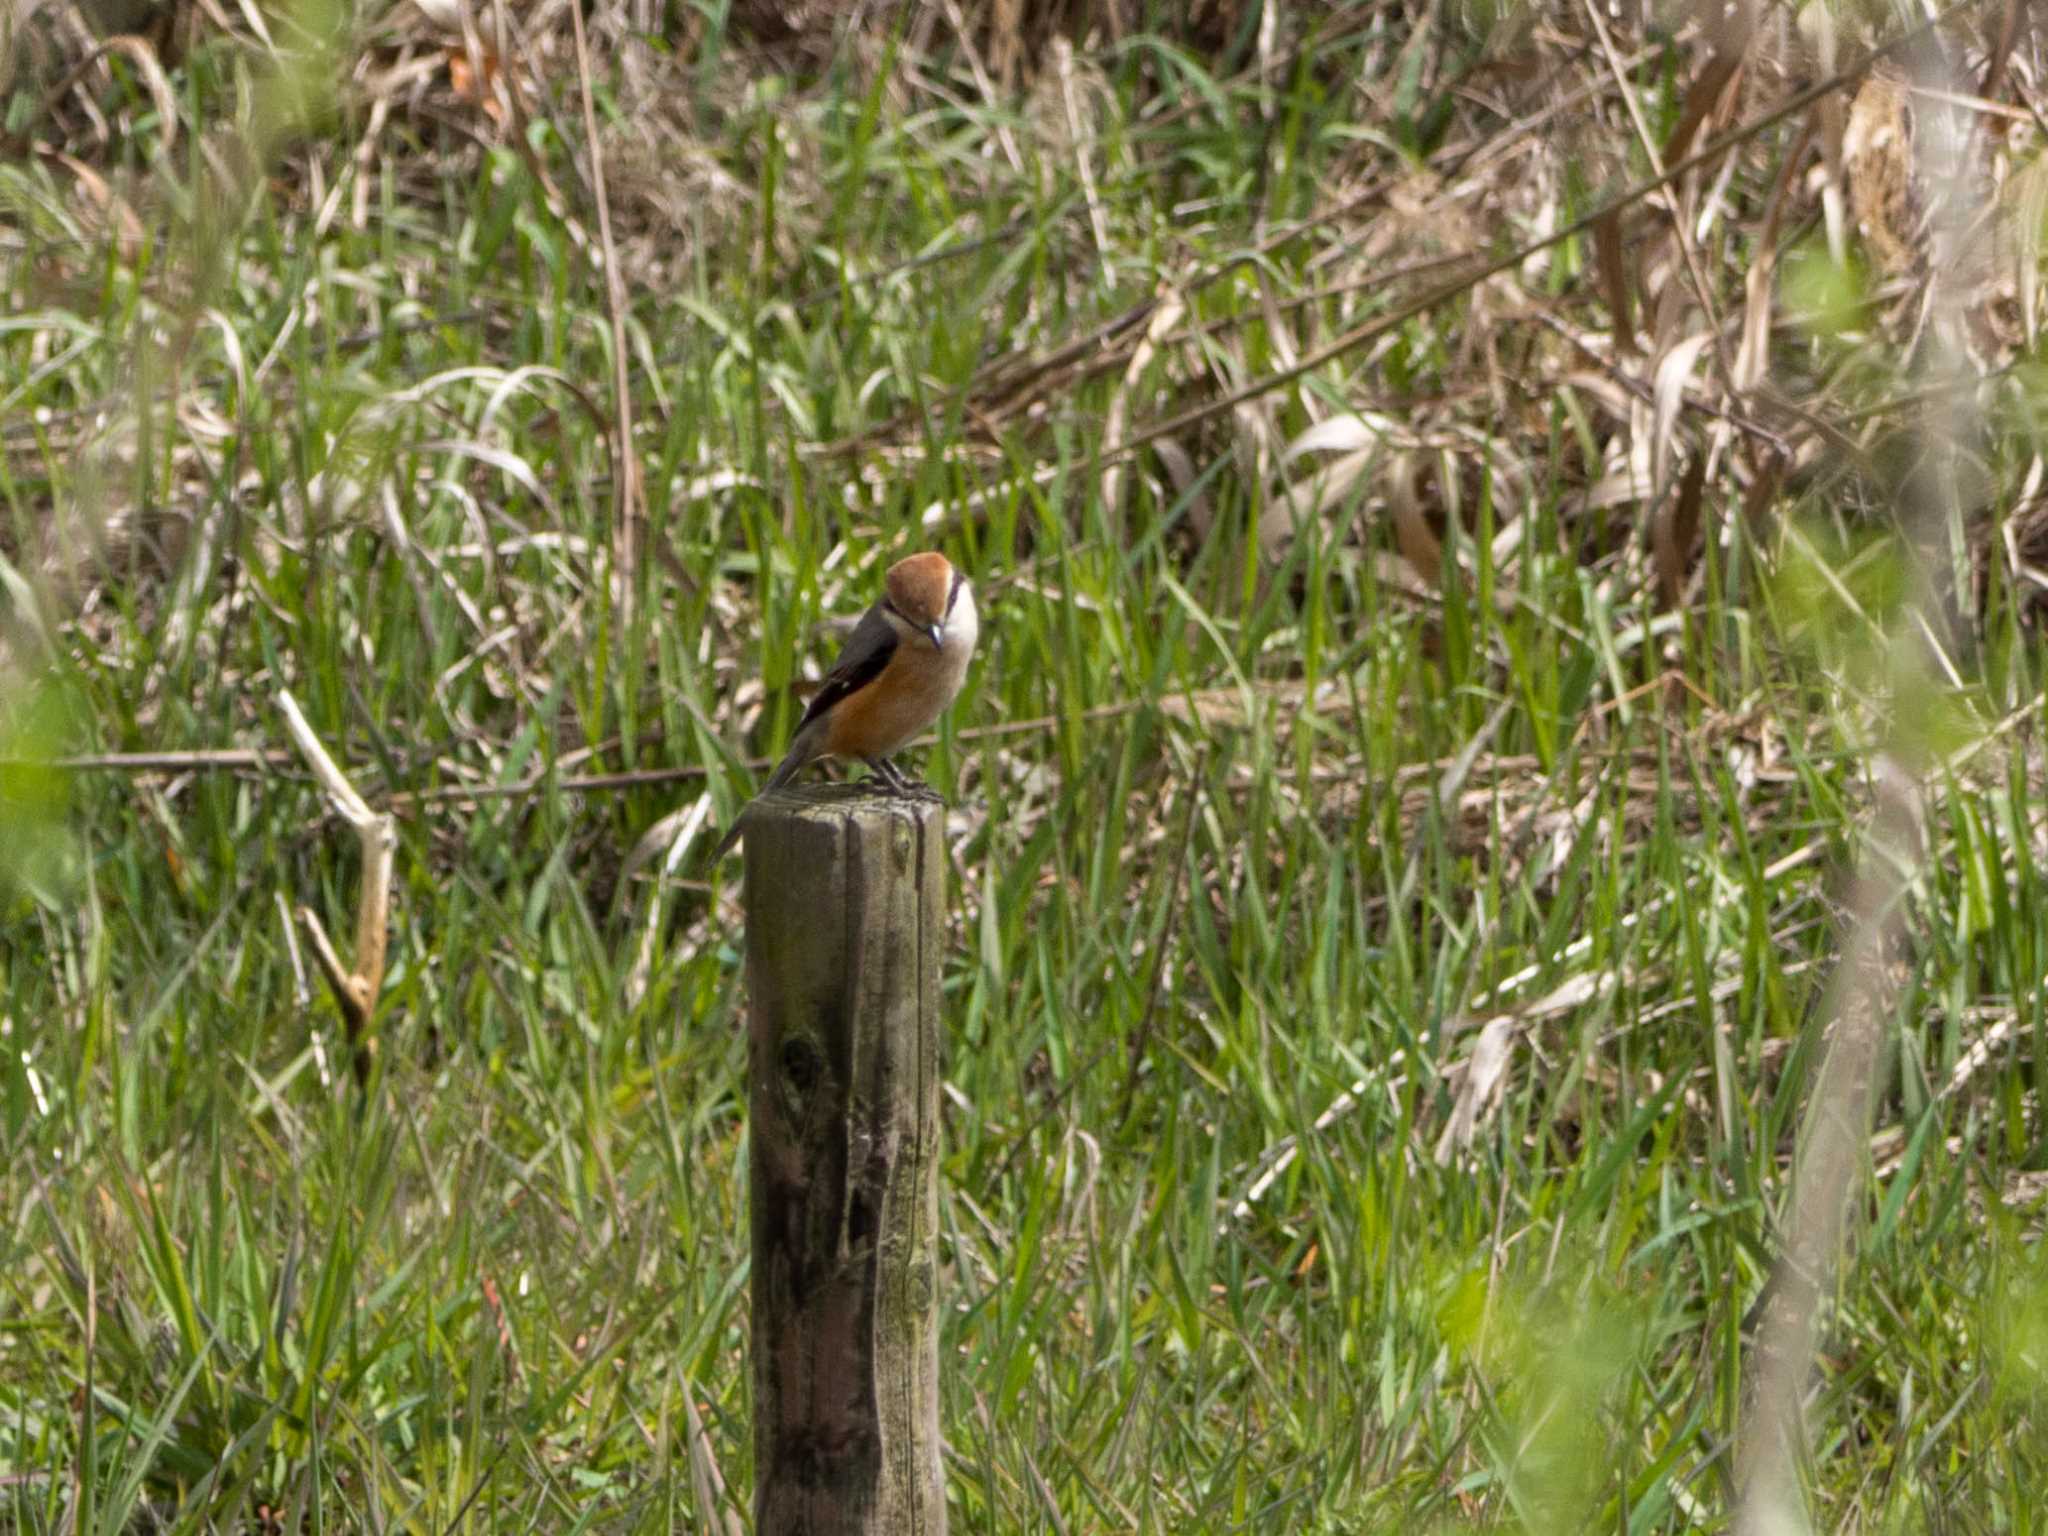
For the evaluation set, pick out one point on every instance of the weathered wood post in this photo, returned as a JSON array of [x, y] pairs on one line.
[[845, 922]]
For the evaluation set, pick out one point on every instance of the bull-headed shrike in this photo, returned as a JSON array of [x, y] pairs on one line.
[[899, 669]]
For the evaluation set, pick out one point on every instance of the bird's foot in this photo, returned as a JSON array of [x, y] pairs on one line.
[[900, 784], [888, 775]]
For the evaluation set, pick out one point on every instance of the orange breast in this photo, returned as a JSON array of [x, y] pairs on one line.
[[916, 685]]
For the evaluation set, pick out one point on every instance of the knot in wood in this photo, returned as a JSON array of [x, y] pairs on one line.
[[802, 1064]]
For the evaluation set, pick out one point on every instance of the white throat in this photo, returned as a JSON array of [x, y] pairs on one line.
[[963, 625]]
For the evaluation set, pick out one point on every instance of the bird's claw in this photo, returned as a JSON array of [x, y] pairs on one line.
[[895, 782]]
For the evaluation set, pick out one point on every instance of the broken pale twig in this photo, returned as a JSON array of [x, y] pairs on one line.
[[355, 992]]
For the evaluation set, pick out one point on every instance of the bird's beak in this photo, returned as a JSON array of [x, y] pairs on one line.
[[938, 636]]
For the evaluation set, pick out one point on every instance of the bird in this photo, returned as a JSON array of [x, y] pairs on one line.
[[898, 671]]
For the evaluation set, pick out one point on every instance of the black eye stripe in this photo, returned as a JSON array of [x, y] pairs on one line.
[[953, 592]]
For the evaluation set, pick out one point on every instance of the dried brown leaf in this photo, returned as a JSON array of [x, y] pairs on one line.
[[1481, 1076], [1674, 370], [1711, 97], [138, 52], [1672, 533], [1877, 157], [1611, 254], [1180, 469], [1413, 536], [127, 227], [1294, 503]]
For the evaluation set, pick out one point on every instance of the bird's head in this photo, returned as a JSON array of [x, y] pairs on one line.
[[927, 597]]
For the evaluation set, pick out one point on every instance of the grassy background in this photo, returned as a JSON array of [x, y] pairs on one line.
[[1274, 834]]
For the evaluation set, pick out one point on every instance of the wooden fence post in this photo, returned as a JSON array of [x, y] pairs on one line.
[[845, 923]]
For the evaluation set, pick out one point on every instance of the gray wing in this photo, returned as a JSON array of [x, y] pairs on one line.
[[861, 660]]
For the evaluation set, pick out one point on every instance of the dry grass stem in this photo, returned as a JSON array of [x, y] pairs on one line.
[[355, 990], [1833, 1154]]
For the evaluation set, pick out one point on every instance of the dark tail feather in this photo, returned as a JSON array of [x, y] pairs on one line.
[[798, 758], [732, 835]]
